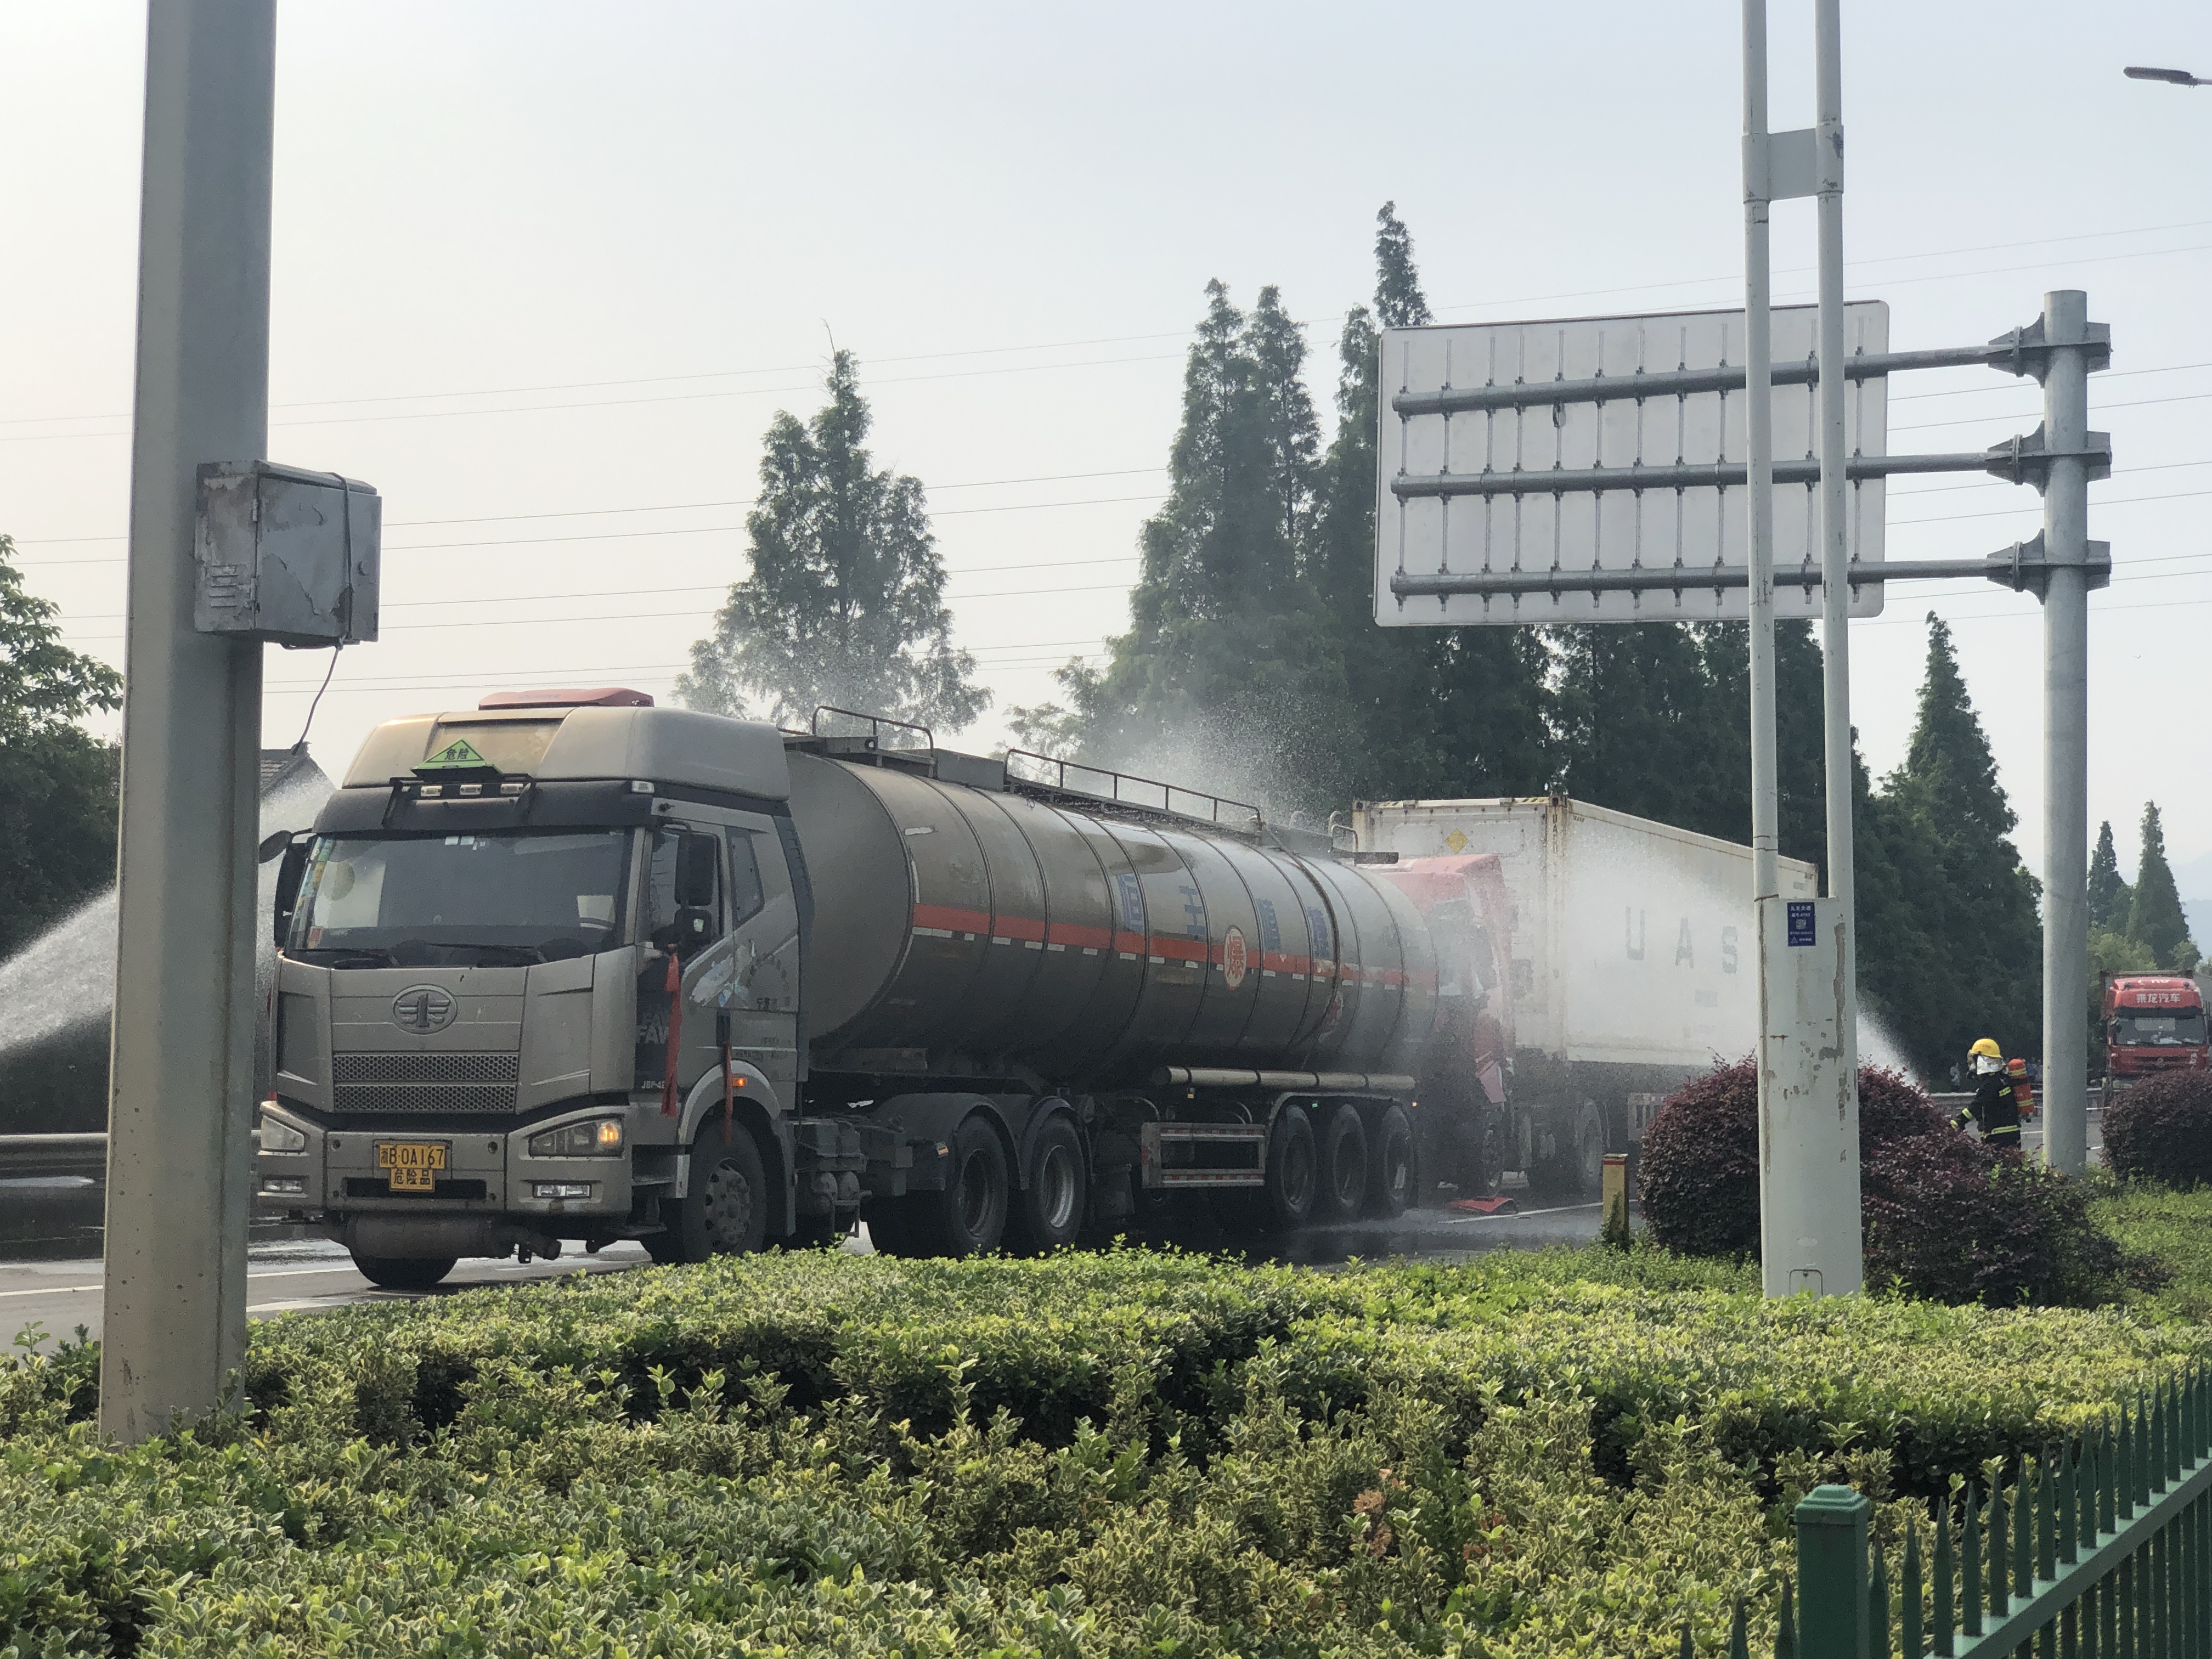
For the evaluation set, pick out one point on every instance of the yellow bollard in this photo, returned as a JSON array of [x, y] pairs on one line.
[[1613, 1190]]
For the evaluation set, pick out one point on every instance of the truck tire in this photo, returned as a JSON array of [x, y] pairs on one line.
[[817, 1232], [402, 1272], [969, 1218], [1293, 1185], [1341, 1191], [1050, 1210], [1577, 1162], [724, 1211], [1390, 1164]]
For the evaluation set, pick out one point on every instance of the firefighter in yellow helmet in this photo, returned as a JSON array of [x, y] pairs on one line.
[[1995, 1108]]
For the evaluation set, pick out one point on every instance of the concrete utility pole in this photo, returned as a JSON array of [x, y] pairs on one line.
[[180, 1101]]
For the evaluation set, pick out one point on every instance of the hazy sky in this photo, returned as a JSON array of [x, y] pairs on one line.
[[545, 270]]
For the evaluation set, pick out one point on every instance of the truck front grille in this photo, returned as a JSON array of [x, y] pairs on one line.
[[462, 1081]]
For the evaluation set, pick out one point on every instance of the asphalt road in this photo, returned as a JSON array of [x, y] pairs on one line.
[[285, 1276], [307, 1276]]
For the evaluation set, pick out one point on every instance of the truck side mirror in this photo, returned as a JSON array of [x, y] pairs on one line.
[[289, 875], [694, 925], [695, 862]]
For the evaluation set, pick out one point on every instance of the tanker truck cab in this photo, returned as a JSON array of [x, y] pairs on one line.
[[473, 1041]]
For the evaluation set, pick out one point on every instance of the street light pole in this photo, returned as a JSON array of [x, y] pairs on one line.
[[182, 1064]]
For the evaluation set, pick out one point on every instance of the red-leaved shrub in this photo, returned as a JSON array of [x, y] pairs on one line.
[[1950, 1220], [2162, 1130], [1699, 1169], [1946, 1217]]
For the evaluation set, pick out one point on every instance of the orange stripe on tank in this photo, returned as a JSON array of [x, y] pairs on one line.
[[951, 918]]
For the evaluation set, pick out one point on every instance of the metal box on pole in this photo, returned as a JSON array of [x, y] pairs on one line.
[[286, 555]]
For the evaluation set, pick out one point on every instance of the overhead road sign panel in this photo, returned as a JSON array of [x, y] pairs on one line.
[[1610, 445]]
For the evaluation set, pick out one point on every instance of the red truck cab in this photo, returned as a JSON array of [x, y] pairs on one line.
[[2154, 1023]]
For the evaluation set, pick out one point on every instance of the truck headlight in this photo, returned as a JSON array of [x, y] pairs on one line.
[[600, 1137], [276, 1136]]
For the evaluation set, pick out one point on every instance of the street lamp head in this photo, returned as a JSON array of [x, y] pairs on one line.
[[2178, 77]]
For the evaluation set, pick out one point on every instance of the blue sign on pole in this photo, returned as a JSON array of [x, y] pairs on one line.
[[1800, 921]]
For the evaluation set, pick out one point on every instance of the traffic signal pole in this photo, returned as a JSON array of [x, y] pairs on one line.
[[181, 1093]]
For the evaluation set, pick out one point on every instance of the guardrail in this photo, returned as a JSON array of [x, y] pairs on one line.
[[1952, 1102], [2102, 1547], [22, 1156]]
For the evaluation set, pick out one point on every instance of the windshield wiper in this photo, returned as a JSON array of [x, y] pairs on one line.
[[523, 954], [352, 955]]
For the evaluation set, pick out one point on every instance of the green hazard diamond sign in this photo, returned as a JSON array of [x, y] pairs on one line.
[[459, 756]]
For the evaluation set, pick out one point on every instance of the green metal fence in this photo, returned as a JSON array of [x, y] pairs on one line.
[[2099, 1549]]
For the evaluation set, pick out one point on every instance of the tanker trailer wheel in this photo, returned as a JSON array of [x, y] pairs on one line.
[[1293, 1184], [1342, 1189], [725, 1212], [1577, 1165], [969, 1218], [1390, 1164], [402, 1272], [1048, 1212]]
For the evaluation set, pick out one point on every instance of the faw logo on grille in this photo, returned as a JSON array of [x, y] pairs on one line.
[[422, 1009]]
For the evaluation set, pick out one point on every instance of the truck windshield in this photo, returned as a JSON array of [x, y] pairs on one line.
[[2184, 1026], [461, 901]]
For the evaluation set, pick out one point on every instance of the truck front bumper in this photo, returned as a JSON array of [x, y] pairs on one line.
[[490, 1193]]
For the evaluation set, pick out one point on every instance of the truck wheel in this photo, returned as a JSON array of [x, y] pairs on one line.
[[725, 1212], [402, 1272], [1049, 1212], [1577, 1165], [969, 1218], [1390, 1164], [1342, 1189], [817, 1232], [1293, 1170]]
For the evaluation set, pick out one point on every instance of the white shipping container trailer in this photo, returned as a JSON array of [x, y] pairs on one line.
[[1632, 967]]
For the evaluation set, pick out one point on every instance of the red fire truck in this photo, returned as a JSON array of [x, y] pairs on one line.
[[2154, 1023]]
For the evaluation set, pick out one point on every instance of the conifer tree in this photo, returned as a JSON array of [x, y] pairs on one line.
[[1946, 823], [2155, 920], [2110, 898], [1801, 780], [844, 604], [1443, 711], [58, 783], [1229, 669], [1639, 725]]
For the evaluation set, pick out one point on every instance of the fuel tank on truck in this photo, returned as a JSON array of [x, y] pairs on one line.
[[956, 927]]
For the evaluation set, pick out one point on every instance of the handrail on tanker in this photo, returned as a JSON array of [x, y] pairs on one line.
[[1246, 817], [875, 724]]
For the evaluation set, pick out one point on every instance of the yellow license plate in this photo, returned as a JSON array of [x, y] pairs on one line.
[[411, 1166]]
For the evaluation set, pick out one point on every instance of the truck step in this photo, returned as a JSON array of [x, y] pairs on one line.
[[1173, 1155]]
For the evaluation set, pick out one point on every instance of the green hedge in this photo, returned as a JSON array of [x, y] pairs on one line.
[[1125, 1453]]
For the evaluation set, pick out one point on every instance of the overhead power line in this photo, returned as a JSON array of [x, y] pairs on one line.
[[1639, 288]]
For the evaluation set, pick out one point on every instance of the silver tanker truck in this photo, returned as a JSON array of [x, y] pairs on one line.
[[568, 965]]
